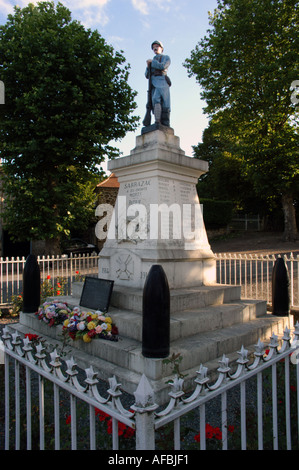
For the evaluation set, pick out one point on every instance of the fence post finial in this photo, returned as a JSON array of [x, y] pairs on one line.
[[144, 395], [144, 408]]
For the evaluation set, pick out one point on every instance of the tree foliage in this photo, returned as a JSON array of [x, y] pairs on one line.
[[246, 66], [67, 98], [227, 178]]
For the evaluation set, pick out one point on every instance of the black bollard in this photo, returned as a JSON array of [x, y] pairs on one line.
[[156, 314], [280, 289], [31, 285]]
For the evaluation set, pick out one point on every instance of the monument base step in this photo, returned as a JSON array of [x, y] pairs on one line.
[[130, 298], [193, 310], [124, 358]]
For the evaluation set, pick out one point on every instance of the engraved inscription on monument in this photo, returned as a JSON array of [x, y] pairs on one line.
[[125, 267], [136, 191]]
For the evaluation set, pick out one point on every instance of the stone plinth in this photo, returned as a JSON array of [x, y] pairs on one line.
[[157, 217]]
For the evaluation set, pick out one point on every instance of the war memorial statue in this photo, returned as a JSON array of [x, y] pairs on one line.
[[158, 88]]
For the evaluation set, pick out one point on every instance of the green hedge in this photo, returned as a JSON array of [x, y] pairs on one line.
[[216, 214]]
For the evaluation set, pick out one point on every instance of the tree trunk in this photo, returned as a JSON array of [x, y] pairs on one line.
[[290, 225], [50, 246]]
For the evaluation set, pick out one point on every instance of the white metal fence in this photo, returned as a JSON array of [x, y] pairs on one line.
[[53, 267], [253, 272], [267, 413]]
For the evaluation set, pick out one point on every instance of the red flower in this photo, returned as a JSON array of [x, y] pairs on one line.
[[91, 333], [123, 430], [109, 426], [209, 431], [58, 292], [293, 388], [114, 330], [101, 414], [31, 336], [68, 419], [212, 432], [121, 427], [72, 334], [129, 433], [48, 277], [217, 434]]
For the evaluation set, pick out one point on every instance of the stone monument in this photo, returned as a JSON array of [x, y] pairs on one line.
[[157, 218]]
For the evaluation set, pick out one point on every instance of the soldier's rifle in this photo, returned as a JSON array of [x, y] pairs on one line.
[[149, 106]]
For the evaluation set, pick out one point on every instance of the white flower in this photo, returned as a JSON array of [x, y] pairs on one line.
[[62, 306], [81, 325]]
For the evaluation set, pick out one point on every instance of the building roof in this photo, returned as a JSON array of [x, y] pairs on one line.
[[110, 182]]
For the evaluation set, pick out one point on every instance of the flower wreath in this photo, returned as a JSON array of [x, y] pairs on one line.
[[78, 324], [88, 325], [53, 313]]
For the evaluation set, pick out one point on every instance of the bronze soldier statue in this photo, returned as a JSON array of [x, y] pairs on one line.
[[159, 84]]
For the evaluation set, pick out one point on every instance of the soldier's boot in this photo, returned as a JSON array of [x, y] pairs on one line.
[[157, 112], [165, 117]]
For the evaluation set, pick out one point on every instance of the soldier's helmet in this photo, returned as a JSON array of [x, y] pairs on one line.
[[159, 43]]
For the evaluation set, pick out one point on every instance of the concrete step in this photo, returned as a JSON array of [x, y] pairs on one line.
[[195, 350], [205, 347], [130, 299], [189, 322], [186, 323], [180, 299]]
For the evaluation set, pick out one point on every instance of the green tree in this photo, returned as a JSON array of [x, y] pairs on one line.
[[245, 66], [67, 98], [227, 178]]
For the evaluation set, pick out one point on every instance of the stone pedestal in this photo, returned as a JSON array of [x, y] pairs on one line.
[[157, 217]]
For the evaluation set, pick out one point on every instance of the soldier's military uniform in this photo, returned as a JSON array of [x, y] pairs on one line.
[[160, 86]]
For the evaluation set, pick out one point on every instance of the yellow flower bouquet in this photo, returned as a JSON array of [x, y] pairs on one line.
[[89, 325]]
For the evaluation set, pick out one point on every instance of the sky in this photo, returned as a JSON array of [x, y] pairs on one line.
[[131, 26]]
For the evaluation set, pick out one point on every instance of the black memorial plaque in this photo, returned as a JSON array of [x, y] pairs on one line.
[[96, 293]]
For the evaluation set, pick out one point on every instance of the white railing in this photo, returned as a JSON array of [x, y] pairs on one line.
[[144, 416], [55, 267], [253, 272]]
